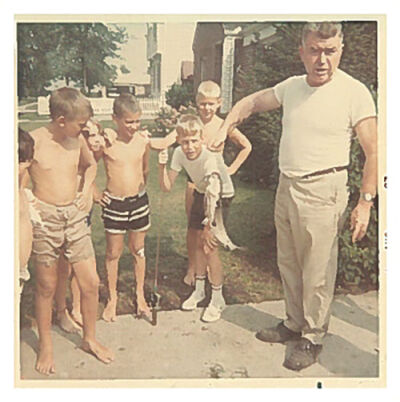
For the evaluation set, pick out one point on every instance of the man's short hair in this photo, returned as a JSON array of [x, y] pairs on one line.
[[70, 103], [26, 146], [324, 30], [208, 89], [189, 125], [126, 103]]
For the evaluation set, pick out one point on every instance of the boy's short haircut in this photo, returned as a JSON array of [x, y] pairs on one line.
[[208, 89], [70, 103], [126, 103], [189, 125], [26, 146]]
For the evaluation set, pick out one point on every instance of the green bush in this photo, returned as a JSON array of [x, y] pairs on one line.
[[358, 263], [180, 95]]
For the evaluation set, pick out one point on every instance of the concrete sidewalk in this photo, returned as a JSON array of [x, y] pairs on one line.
[[183, 347]]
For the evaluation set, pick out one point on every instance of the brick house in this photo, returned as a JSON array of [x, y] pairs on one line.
[[222, 49]]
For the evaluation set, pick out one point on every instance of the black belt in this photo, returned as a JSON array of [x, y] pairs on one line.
[[326, 171]]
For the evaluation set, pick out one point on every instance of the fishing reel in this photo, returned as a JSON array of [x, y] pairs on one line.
[[155, 306]]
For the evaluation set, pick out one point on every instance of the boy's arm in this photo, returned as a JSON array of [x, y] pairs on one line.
[[24, 179], [261, 101], [88, 164], [159, 144], [98, 196], [166, 179], [146, 163], [241, 142]]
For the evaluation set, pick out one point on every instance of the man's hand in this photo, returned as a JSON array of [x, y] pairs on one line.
[[83, 200], [209, 241], [102, 199], [163, 157], [359, 220], [219, 138]]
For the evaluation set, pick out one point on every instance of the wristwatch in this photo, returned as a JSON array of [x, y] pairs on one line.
[[367, 197]]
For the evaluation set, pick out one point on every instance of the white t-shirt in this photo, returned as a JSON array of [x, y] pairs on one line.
[[206, 163], [318, 122]]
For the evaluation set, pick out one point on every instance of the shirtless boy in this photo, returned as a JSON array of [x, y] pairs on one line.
[[59, 151], [208, 101], [125, 202], [25, 156], [93, 134], [203, 169]]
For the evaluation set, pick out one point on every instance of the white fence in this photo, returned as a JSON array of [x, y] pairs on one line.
[[103, 106]]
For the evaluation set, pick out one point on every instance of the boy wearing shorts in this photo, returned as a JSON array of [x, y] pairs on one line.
[[125, 202], [208, 101], [59, 151], [203, 169], [72, 322]]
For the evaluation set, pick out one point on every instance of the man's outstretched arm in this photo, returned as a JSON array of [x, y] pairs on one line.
[[261, 101]]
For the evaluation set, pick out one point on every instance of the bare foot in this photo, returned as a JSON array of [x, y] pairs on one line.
[[95, 348], [45, 362], [77, 317], [142, 308], [65, 322], [189, 278], [110, 312]]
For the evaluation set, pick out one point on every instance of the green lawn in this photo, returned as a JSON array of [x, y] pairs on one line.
[[251, 275]]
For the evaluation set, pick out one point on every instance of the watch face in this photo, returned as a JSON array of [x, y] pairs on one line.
[[368, 197]]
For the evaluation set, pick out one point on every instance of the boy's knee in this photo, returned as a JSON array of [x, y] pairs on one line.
[[91, 285], [138, 253], [46, 288], [113, 253]]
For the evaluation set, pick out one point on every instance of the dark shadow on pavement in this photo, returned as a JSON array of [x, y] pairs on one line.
[[249, 318], [76, 339], [30, 338], [343, 358], [347, 310]]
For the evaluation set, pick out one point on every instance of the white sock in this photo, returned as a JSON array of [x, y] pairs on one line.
[[199, 287], [217, 299]]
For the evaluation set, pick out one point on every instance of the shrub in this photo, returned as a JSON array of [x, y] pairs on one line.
[[180, 95], [167, 118]]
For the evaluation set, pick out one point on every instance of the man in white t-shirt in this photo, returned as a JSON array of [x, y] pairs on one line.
[[320, 112]]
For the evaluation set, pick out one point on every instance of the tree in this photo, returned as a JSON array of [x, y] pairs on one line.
[[34, 72], [79, 52]]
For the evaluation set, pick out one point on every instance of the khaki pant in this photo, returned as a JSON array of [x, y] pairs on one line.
[[308, 216], [61, 229]]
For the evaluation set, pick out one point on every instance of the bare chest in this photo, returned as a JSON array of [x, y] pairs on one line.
[[209, 133], [125, 154], [53, 156]]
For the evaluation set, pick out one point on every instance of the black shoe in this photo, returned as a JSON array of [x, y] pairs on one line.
[[280, 333], [301, 354]]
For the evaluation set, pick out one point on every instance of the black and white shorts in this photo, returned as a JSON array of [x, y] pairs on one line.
[[129, 213]]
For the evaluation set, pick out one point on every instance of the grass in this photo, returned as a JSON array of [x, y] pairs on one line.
[[251, 275]]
